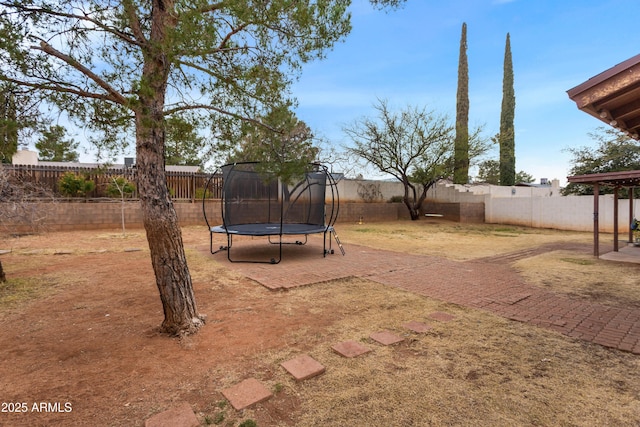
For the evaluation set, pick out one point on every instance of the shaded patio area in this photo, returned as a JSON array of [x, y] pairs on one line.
[[627, 253], [612, 97], [617, 180]]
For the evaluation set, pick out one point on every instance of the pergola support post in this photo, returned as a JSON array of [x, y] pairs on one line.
[[615, 219], [596, 228], [615, 180], [631, 213]]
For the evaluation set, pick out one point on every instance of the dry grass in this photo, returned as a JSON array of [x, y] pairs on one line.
[[583, 276], [477, 370], [452, 240]]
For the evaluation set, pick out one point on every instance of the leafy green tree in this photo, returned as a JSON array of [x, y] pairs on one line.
[[125, 67], [184, 146], [52, 145], [8, 126], [614, 152], [19, 117], [489, 172], [284, 145], [119, 186], [524, 178], [507, 117], [413, 145], [461, 162]]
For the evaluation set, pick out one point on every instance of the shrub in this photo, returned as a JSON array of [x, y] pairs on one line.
[[200, 193], [73, 185]]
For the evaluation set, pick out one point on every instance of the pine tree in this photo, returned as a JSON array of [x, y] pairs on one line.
[[53, 146], [507, 115], [461, 154], [8, 126]]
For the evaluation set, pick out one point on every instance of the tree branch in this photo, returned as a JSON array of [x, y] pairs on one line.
[[232, 33], [53, 87], [134, 21], [120, 34], [112, 94], [212, 7], [221, 111]]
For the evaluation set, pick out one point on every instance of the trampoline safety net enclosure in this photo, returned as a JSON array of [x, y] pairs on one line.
[[254, 202]]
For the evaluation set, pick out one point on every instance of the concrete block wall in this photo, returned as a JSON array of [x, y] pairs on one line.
[[459, 212], [372, 212], [363, 190], [107, 215], [455, 203]]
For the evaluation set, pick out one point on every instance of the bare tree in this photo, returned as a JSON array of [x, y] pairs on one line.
[[20, 205], [413, 145], [121, 187]]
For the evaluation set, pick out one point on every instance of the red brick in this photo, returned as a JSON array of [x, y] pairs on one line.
[[416, 326], [386, 337], [303, 367], [350, 349], [180, 416], [246, 393]]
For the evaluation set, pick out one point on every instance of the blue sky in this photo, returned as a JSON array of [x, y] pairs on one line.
[[410, 57]]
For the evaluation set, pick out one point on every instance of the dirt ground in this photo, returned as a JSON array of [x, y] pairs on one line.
[[90, 342], [79, 344]]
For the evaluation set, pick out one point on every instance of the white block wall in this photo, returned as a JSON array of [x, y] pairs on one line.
[[563, 213]]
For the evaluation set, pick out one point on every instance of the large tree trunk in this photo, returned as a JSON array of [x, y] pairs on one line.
[[409, 200], [158, 214], [164, 236]]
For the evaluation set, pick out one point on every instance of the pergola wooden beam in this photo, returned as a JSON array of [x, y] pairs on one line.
[[613, 96]]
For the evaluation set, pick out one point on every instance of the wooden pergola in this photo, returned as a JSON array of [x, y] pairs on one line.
[[612, 97], [617, 180]]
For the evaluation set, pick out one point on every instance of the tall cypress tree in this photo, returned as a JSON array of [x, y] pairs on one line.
[[461, 148], [507, 116]]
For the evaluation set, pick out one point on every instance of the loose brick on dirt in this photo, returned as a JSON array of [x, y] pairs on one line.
[[386, 338], [180, 416], [418, 327], [246, 393], [303, 367], [350, 349]]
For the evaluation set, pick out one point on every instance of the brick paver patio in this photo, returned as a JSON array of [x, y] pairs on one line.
[[490, 284]]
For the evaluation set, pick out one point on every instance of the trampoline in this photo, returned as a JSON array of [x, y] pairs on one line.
[[255, 203]]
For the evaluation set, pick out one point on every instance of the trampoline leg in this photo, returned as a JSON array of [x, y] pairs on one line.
[[270, 261], [221, 248], [297, 242]]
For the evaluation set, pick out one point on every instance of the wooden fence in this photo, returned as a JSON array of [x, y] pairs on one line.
[[182, 185]]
